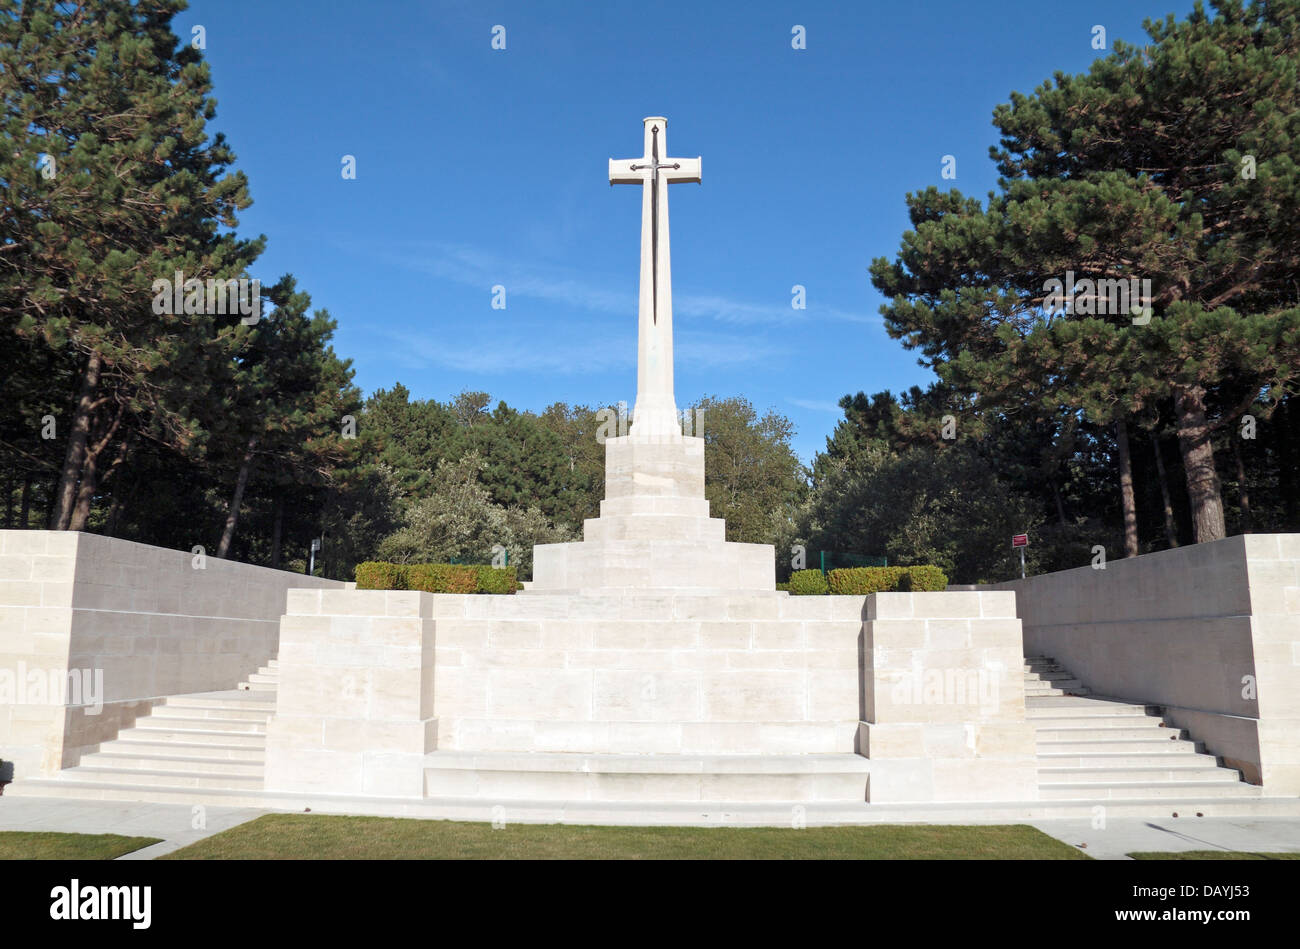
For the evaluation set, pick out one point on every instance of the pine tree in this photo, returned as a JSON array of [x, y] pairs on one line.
[[111, 181], [1173, 162]]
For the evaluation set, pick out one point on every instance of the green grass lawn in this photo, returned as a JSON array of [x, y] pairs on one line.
[[1212, 855], [39, 845], [303, 836]]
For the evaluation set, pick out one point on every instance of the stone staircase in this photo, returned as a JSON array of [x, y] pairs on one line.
[[1099, 749], [265, 679], [210, 748], [200, 743]]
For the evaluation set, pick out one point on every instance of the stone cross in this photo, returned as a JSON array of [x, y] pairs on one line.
[[655, 413]]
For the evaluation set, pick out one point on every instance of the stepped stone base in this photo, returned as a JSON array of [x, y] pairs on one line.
[[654, 530], [651, 778]]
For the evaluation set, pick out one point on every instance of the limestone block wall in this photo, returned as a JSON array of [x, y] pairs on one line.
[[1210, 631], [652, 672], [944, 703], [139, 619], [354, 714]]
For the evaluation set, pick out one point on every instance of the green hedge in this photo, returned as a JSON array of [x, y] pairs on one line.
[[807, 583], [436, 577], [923, 578], [863, 581], [376, 575]]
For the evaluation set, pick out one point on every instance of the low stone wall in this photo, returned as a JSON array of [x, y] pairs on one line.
[[945, 699], [1211, 632], [135, 623], [372, 681]]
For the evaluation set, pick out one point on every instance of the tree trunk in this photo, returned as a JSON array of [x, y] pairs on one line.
[[277, 527], [1203, 489], [91, 481], [1060, 507], [85, 494], [1243, 492], [25, 505], [1287, 462], [1171, 532], [114, 515], [9, 502], [1126, 490], [232, 518], [65, 494]]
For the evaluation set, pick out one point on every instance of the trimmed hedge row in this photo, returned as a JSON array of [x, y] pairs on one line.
[[436, 577], [858, 581], [808, 583], [862, 581]]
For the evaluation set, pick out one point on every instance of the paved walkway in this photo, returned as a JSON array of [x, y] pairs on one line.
[[174, 823], [1162, 835]]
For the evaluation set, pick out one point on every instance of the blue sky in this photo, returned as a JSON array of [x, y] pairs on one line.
[[478, 167]]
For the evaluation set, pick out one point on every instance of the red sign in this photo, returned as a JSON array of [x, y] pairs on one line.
[[1019, 540]]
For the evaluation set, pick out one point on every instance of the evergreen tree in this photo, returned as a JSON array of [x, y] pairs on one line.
[[110, 181], [1173, 162]]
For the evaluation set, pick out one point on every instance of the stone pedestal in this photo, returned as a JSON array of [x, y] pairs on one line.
[[354, 713], [654, 531], [944, 693]]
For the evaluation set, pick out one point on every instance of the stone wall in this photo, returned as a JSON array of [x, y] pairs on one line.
[[1210, 631], [142, 620], [372, 681], [944, 718]]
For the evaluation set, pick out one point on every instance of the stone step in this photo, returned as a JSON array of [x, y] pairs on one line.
[[264, 676], [159, 732], [83, 790], [1053, 775], [1064, 682], [1040, 691], [688, 813], [1096, 723], [176, 719], [250, 686], [1098, 791], [115, 758], [223, 713], [578, 736], [1131, 746], [189, 749], [1175, 757], [1084, 709], [1152, 732], [211, 700], [656, 778], [1050, 676], [162, 778], [654, 526]]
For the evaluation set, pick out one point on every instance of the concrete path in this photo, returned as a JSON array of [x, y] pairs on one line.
[[1122, 836], [174, 823]]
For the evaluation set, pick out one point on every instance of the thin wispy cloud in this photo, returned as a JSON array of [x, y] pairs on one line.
[[565, 355], [470, 266], [816, 405]]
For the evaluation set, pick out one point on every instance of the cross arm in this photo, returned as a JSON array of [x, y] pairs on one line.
[[621, 172], [688, 169]]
